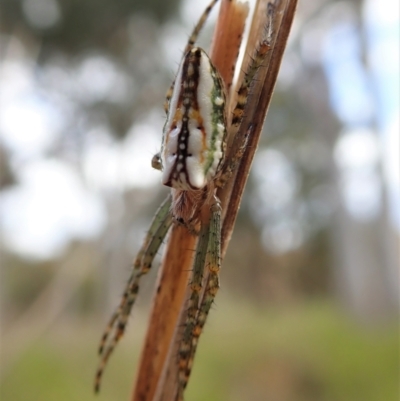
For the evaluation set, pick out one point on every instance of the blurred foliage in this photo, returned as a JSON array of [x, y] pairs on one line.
[[89, 24], [266, 277], [24, 281], [123, 34], [311, 352]]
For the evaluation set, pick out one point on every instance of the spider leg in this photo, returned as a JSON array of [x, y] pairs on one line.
[[230, 166], [209, 254], [142, 264], [239, 143], [193, 307], [159, 218], [256, 61], [189, 45]]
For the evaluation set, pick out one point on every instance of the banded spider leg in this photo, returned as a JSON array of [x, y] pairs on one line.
[[142, 264]]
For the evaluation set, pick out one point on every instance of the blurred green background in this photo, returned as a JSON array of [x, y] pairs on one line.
[[309, 302]]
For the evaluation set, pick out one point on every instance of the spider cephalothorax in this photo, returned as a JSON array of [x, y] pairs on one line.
[[194, 163]]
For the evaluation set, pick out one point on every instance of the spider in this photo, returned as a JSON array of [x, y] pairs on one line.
[[194, 163]]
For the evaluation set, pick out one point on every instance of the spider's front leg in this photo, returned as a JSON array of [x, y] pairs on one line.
[[241, 134], [142, 264], [208, 254]]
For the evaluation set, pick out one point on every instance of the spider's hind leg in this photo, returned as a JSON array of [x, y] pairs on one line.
[[185, 349], [208, 253], [142, 264]]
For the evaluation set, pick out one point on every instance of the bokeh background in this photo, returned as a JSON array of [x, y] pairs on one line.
[[309, 304]]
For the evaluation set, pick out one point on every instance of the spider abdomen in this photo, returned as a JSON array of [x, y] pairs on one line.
[[195, 131]]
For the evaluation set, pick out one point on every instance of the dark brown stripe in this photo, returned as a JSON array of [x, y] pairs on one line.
[[188, 91]]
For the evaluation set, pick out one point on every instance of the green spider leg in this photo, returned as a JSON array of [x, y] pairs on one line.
[[193, 304], [142, 264], [239, 142], [208, 254]]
